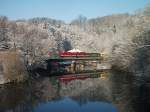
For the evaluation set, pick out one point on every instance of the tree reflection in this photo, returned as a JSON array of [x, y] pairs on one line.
[[119, 89]]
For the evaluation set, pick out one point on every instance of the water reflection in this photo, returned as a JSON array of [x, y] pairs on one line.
[[130, 92], [111, 92], [69, 105]]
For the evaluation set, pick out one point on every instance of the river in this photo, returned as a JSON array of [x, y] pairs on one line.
[[114, 92]]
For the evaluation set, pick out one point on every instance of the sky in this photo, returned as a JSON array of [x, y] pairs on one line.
[[67, 10]]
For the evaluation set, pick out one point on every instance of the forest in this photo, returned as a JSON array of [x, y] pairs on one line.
[[124, 38]]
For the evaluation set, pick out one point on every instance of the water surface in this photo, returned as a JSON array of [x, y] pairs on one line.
[[114, 92]]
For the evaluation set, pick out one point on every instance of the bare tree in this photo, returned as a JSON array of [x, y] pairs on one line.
[[80, 21], [58, 39], [14, 32], [3, 33], [33, 47]]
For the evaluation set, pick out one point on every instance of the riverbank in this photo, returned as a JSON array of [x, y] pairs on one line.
[[12, 68]]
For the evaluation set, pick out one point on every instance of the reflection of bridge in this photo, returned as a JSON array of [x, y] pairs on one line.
[[83, 76]]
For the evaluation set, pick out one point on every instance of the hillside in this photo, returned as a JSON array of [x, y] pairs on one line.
[[118, 36]]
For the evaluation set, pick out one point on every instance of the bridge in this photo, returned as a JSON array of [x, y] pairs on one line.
[[73, 62], [70, 63], [98, 58], [74, 56]]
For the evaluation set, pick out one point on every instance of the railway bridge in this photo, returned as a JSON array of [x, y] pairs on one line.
[[73, 62]]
